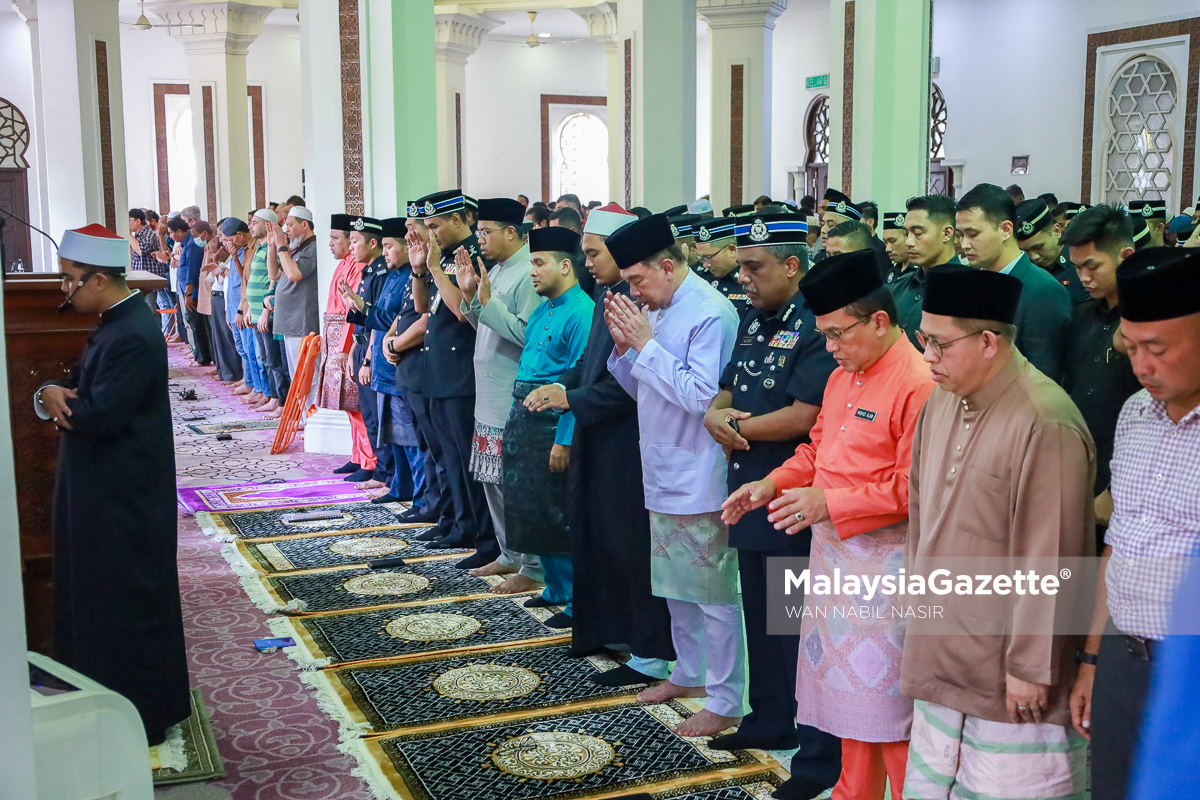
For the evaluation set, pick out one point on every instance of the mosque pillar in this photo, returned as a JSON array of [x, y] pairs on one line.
[[742, 33], [879, 99], [658, 43], [457, 36], [78, 120], [601, 20]]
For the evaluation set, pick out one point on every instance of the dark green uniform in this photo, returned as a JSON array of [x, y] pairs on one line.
[[1043, 318], [1064, 272], [908, 290]]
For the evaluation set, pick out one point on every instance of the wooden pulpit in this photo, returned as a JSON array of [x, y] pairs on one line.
[[42, 344]]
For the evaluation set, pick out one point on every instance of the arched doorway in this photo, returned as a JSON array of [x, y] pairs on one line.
[[16, 251]]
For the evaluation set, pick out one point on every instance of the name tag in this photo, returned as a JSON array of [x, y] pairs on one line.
[[785, 339], [862, 413]]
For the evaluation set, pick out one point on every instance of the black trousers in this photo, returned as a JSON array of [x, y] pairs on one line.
[[771, 669], [201, 346], [435, 497], [229, 363], [454, 426], [274, 364], [1118, 702], [368, 406]]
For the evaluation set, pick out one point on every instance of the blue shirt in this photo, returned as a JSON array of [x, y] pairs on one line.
[[555, 336], [190, 259], [233, 288], [380, 316]]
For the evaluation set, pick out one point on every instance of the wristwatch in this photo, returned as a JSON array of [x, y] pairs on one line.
[[733, 423], [283, 248], [1084, 657]]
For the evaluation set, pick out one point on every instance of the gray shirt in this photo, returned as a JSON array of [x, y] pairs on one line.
[[500, 335], [296, 310]]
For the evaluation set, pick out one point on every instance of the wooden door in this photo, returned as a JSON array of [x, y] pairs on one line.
[[14, 199]]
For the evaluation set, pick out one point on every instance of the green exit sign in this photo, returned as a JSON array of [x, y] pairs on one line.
[[817, 82]]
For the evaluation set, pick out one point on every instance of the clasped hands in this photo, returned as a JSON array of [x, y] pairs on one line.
[[54, 400], [628, 324]]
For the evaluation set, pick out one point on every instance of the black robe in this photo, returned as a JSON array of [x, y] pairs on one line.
[[610, 527], [117, 615]]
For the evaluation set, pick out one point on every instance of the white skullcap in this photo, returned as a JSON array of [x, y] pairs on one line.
[[300, 212], [95, 245], [267, 214], [606, 220], [701, 206]]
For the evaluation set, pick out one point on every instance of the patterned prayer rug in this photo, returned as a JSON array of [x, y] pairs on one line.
[[338, 552], [235, 426], [402, 634], [750, 787], [191, 754], [269, 525], [259, 496], [569, 755], [388, 697], [343, 590]]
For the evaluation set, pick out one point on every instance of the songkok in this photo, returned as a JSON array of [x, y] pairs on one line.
[[605, 221], [1033, 216], [840, 280], [640, 240], [972, 294], [838, 203], [675, 211], [340, 222], [1141, 231], [716, 229], [556, 240], [1159, 283], [441, 203], [893, 221], [231, 226], [504, 210], [300, 212], [737, 211], [366, 225], [1150, 209], [701, 206], [394, 227], [762, 230], [95, 245], [683, 225], [1070, 209], [267, 214]]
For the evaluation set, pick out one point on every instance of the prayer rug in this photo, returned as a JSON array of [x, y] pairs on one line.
[[344, 590], [355, 517], [576, 754], [334, 552], [408, 633], [190, 752], [750, 787], [389, 697], [235, 426], [260, 496]]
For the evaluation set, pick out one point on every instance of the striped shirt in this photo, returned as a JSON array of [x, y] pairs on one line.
[[1155, 524], [259, 285], [141, 258]]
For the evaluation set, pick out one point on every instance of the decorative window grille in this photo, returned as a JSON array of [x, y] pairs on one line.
[[1140, 153], [581, 147]]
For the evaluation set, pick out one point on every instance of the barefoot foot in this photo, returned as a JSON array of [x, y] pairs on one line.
[[661, 692], [494, 568], [515, 585], [705, 723]]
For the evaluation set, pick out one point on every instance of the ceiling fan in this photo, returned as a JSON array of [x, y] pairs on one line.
[[143, 24], [533, 40]]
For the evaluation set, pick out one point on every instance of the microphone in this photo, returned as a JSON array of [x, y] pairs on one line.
[[66, 304], [29, 225]]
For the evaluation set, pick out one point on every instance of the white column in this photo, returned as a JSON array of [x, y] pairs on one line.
[[85, 169], [456, 37], [216, 54], [601, 20], [742, 33], [662, 79]]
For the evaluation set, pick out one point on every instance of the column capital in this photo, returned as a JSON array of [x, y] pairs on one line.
[[601, 20], [215, 27], [740, 13], [457, 33], [26, 10]]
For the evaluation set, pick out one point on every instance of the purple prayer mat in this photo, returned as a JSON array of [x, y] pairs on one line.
[[263, 497]]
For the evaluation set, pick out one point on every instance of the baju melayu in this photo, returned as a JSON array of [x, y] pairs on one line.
[[338, 386], [499, 336], [674, 378], [848, 679], [1004, 473], [536, 498]]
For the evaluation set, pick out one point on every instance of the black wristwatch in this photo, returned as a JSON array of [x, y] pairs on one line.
[[1084, 657], [733, 423], [283, 249]]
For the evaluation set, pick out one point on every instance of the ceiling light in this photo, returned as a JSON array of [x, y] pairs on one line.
[[533, 40]]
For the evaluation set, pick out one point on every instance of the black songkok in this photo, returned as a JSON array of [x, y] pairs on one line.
[[640, 240], [1033, 216], [501, 209], [554, 239], [840, 280], [1159, 283], [972, 294]]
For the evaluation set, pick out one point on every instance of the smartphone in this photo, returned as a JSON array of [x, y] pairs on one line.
[[271, 645], [309, 516]]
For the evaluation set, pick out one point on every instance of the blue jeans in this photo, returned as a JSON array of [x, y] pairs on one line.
[[255, 378], [408, 476], [560, 579]]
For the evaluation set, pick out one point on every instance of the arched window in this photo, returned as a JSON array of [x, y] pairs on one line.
[[816, 140], [581, 157], [1140, 152], [937, 123], [181, 155], [14, 137]]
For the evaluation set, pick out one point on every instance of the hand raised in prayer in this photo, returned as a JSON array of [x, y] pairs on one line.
[[1026, 701], [417, 251], [468, 281], [433, 257], [745, 499], [560, 456], [485, 284], [716, 422], [349, 296], [614, 327], [275, 235], [796, 509], [634, 321], [54, 400], [546, 397]]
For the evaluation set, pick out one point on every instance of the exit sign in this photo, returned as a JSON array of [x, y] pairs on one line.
[[817, 82]]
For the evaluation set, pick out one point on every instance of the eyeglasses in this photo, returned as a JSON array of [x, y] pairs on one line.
[[486, 232], [926, 341], [836, 335]]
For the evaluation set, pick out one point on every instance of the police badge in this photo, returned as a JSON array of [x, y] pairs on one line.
[[759, 232], [358, 224], [704, 234], [753, 327], [1027, 228], [898, 221], [841, 207], [413, 210], [428, 208], [1147, 210], [674, 231]]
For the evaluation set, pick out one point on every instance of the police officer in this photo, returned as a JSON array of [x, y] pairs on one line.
[[448, 374], [770, 396], [1154, 213], [897, 250], [1038, 233], [717, 248]]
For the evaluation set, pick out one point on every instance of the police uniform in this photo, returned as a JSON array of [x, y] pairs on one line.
[[719, 230], [370, 284], [1149, 211], [448, 390], [1064, 271], [1033, 217], [778, 358], [894, 221]]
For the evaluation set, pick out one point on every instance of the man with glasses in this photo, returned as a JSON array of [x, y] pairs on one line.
[[717, 249], [851, 484], [1002, 472]]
